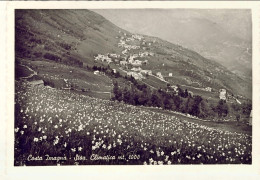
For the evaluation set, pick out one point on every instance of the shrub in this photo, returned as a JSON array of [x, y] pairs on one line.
[[52, 57]]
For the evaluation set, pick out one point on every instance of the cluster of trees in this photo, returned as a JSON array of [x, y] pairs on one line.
[[139, 94], [243, 109]]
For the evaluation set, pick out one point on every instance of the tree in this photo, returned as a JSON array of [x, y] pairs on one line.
[[117, 74], [186, 94], [205, 110], [143, 99], [126, 95], [117, 92], [180, 91], [177, 102], [189, 105], [246, 108], [156, 101], [222, 109], [167, 102], [94, 68]]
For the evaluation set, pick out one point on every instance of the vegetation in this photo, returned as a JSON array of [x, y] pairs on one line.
[[76, 130], [139, 94]]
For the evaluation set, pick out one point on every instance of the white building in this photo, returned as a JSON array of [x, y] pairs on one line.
[[123, 63], [96, 72], [136, 69], [209, 89], [137, 63], [175, 88], [145, 61], [135, 75], [170, 74], [148, 72], [190, 93], [222, 94], [159, 74]]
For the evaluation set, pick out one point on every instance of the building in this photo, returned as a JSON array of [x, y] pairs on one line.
[[136, 69], [175, 88], [159, 74], [209, 89], [123, 63], [170, 74], [145, 61], [222, 94], [137, 63], [135, 75], [96, 72], [114, 55], [146, 72], [190, 93]]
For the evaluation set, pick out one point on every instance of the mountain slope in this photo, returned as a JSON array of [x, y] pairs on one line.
[[77, 36], [222, 35]]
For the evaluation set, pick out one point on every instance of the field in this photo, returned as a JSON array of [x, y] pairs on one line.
[[58, 127], [77, 79]]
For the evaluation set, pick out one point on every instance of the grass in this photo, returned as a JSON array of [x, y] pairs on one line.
[[78, 78]]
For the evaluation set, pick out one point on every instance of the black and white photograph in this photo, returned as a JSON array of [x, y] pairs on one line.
[[137, 86]]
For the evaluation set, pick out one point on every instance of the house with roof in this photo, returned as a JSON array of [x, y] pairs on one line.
[[222, 94], [146, 72], [136, 63], [96, 72], [145, 61], [123, 63], [136, 69], [209, 89], [190, 93], [137, 76]]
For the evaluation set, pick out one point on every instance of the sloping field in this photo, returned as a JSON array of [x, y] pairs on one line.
[[57, 127], [64, 76]]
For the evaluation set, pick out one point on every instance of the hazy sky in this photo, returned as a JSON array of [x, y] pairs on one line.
[[237, 22]]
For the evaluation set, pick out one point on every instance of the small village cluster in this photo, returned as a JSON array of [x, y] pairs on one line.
[[130, 61], [62, 123]]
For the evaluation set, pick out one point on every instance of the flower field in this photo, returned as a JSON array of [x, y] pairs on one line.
[[57, 127]]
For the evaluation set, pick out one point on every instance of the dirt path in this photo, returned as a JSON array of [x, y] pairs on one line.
[[31, 75]]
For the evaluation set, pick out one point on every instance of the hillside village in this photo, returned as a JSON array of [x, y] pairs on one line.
[[131, 60], [134, 58]]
